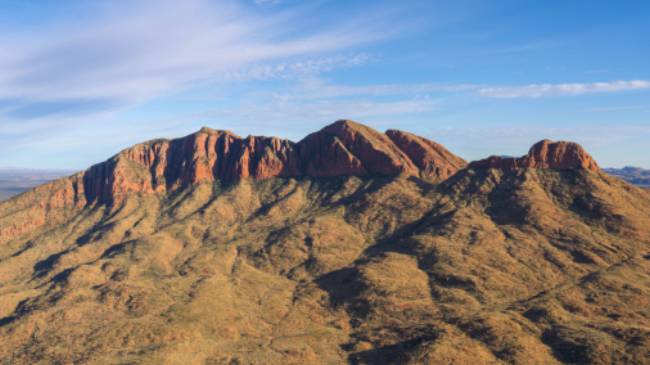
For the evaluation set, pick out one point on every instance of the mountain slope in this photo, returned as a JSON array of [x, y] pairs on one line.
[[349, 246]]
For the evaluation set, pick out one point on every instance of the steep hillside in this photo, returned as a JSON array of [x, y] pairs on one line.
[[351, 246]]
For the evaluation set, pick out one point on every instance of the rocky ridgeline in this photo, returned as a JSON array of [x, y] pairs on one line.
[[344, 148]]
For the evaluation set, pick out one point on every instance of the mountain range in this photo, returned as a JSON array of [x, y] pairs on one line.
[[635, 175], [349, 246]]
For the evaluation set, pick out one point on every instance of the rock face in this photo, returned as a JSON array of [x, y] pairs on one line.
[[349, 148], [433, 160], [344, 148], [341, 149], [544, 155], [207, 155]]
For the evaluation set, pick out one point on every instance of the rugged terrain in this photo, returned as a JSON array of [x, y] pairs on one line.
[[350, 246]]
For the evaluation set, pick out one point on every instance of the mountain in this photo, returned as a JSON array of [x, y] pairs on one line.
[[544, 154], [635, 175], [350, 246], [14, 181]]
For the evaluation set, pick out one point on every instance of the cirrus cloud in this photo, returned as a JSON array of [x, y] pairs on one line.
[[541, 90], [130, 52]]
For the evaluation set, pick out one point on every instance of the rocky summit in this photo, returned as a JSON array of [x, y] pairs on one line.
[[349, 246], [545, 154]]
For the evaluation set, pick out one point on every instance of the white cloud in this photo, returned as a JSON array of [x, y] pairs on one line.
[[541, 90], [316, 88], [129, 52], [329, 110], [303, 68], [313, 100]]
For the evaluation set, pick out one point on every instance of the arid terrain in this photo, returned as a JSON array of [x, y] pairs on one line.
[[350, 246]]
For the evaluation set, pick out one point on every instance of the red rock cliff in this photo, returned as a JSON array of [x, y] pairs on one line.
[[349, 148], [340, 149], [544, 155], [432, 159]]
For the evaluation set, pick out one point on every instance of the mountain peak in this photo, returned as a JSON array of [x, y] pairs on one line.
[[561, 155], [545, 154], [208, 130], [342, 124], [433, 159], [349, 148]]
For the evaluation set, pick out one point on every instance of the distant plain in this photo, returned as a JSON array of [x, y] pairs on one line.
[[14, 181]]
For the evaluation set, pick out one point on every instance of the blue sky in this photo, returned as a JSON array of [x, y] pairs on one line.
[[80, 80]]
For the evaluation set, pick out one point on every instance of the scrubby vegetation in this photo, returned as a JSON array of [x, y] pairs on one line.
[[527, 267]]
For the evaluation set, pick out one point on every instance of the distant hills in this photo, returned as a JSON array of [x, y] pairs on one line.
[[14, 181], [635, 175]]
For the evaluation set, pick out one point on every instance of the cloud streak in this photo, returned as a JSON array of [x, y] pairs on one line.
[[543, 90], [298, 69], [129, 52]]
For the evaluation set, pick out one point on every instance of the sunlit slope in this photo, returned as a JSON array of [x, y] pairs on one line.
[[491, 266]]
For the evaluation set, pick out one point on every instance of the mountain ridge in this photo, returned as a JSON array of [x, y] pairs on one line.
[[340, 149], [343, 148], [210, 155]]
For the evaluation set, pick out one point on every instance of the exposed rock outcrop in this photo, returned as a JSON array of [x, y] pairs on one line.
[[341, 149], [433, 160], [207, 155], [544, 155], [349, 148]]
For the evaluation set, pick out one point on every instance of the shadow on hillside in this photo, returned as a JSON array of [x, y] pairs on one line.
[[391, 354], [43, 267], [7, 320], [343, 286]]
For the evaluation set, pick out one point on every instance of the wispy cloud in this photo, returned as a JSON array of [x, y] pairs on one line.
[[267, 2], [327, 110], [316, 88], [621, 108], [541, 90], [133, 51], [298, 69]]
